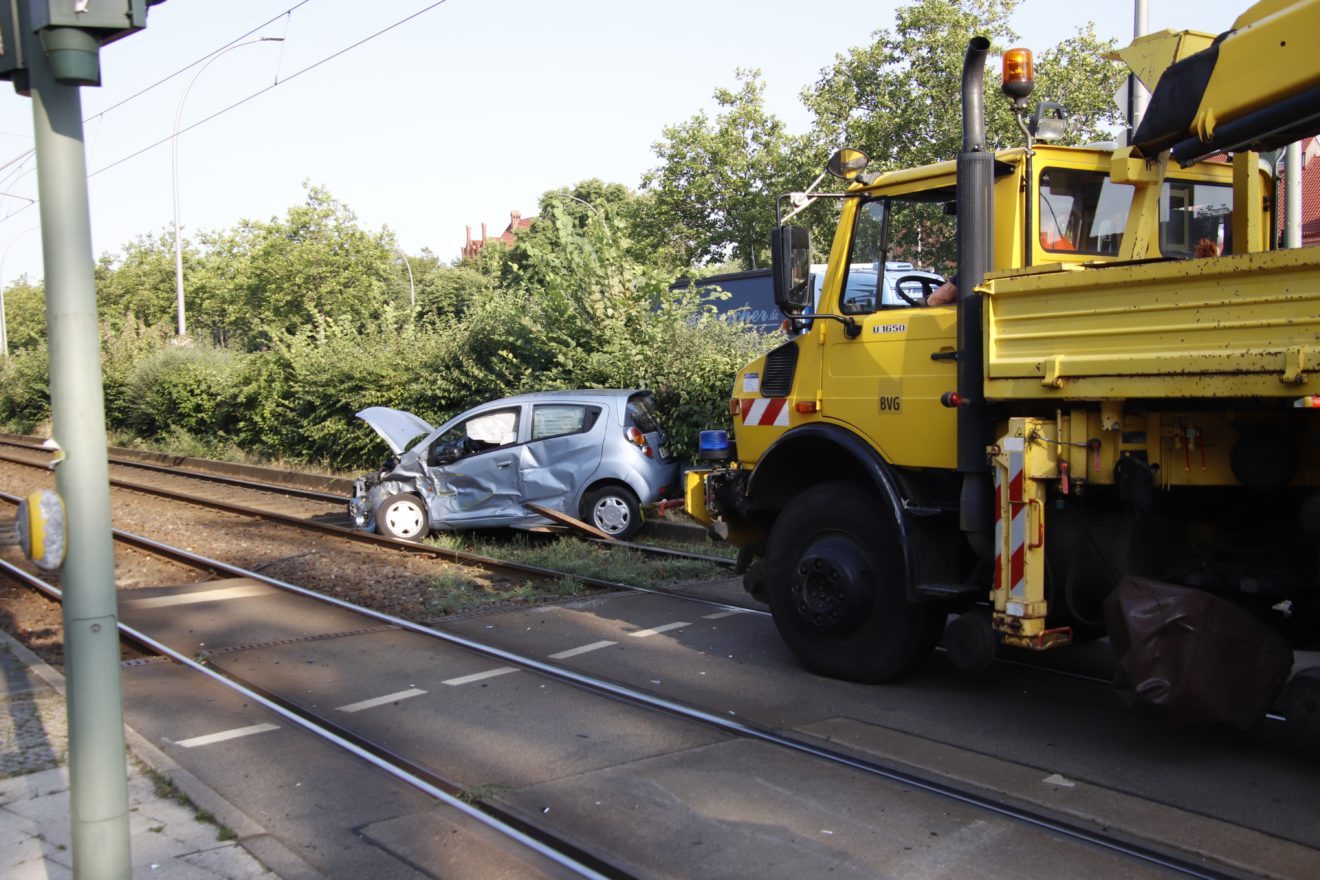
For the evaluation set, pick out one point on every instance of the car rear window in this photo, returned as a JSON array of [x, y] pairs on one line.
[[642, 413], [557, 419]]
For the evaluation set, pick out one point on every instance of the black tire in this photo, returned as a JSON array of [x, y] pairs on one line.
[[836, 588], [402, 516], [614, 510]]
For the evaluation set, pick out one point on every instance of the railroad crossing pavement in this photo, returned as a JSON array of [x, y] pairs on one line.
[[169, 838]]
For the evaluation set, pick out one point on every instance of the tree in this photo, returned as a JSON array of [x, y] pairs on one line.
[[1078, 74], [899, 98], [139, 283], [285, 274], [713, 196], [25, 314]]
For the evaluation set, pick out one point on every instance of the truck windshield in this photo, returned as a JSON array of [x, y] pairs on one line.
[[917, 237], [1083, 212]]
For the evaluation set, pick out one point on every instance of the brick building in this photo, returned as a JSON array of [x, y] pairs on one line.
[[1310, 194], [516, 224]]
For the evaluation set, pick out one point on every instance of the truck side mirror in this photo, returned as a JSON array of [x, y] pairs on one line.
[[790, 256]]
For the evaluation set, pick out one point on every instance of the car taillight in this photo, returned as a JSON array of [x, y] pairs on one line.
[[636, 438]]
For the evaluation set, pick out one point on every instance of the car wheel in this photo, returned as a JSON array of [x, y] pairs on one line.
[[402, 516], [834, 579], [613, 510]]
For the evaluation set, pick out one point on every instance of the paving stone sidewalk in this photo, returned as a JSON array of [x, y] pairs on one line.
[[171, 834]]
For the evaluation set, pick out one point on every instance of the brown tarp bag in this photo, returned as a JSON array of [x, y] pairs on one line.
[[1191, 657]]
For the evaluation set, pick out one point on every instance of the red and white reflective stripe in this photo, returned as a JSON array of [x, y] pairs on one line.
[[1017, 527], [999, 530], [1017, 530], [765, 411]]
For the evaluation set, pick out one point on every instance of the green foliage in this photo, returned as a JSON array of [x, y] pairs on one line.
[[898, 99], [139, 285], [298, 322], [315, 264], [1077, 74], [124, 349], [24, 389], [714, 193], [25, 314]]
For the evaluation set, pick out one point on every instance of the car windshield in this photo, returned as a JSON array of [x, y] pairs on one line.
[[643, 414]]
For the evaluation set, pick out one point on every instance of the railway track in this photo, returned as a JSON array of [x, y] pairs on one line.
[[484, 562], [560, 845], [318, 525]]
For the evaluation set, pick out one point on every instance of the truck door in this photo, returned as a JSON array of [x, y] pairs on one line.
[[884, 382]]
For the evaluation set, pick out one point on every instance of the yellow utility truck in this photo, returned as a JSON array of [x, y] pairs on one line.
[[1113, 430]]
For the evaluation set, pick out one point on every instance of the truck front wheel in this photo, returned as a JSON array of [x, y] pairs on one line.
[[835, 583]]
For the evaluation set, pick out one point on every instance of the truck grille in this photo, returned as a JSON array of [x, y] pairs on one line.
[[779, 367]]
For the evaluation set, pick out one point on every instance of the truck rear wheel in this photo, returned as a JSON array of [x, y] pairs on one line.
[[835, 584]]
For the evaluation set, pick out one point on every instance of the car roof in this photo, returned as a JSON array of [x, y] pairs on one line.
[[575, 395]]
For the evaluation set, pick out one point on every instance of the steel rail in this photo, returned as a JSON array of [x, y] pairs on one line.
[[276, 488], [312, 495], [486, 563], [1108, 841], [536, 839]]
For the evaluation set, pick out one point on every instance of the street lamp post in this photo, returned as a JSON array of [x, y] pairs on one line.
[[174, 147], [412, 288]]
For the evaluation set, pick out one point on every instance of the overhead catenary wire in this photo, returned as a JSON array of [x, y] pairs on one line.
[[278, 82], [286, 14], [315, 64]]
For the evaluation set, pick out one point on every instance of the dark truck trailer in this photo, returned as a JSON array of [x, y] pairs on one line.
[[751, 297]]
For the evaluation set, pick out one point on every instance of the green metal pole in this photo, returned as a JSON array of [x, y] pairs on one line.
[[98, 786]]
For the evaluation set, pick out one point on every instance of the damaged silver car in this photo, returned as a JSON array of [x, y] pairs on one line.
[[594, 455]]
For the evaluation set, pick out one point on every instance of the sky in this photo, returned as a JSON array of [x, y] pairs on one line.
[[465, 112]]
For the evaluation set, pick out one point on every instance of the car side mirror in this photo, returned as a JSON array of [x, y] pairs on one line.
[[790, 256]]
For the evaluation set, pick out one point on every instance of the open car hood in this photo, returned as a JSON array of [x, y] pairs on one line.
[[395, 426]]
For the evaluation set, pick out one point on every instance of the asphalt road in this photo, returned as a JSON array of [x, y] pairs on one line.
[[666, 797]]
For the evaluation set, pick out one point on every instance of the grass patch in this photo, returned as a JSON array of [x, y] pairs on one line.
[[482, 792], [165, 787], [456, 593], [580, 559]]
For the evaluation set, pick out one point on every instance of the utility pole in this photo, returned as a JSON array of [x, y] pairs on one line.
[[1137, 94], [50, 49]]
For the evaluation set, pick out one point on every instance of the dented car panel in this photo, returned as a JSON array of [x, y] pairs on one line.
[[559, 450]]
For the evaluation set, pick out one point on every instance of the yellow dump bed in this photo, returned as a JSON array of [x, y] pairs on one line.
[[1245, 325]]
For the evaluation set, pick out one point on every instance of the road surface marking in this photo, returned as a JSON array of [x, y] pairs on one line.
[[224, 735], [381, 701], [643, 633], [203, 596], [718, 614], [573, 652], [478, 676]]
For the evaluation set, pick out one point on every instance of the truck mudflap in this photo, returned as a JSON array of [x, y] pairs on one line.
[[1189, 656]]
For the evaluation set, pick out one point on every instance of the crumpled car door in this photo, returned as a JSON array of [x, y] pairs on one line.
[[481, 489], [555, 467]]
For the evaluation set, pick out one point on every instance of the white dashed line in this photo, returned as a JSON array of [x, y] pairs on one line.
[[718, 614], [643, 633], [224, 735], [573, 652], [381, 701], [478, 676], [202, 596]]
